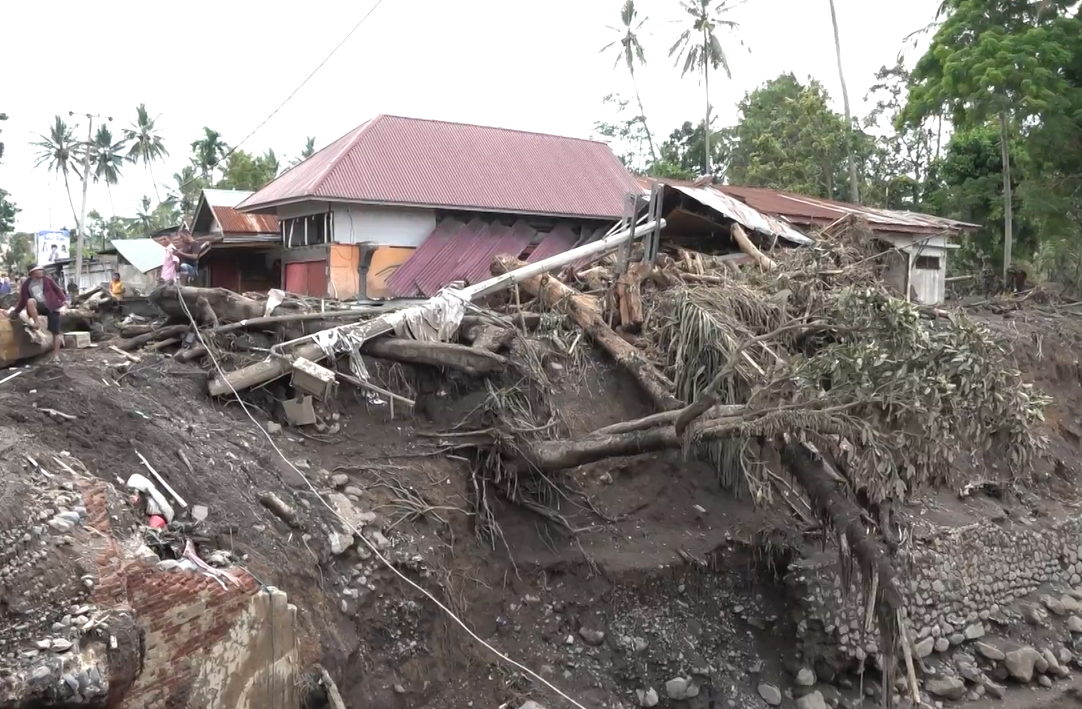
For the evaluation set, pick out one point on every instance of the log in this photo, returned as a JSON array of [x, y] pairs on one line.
[[491, 338], [551, 456], [472, 361], [133, 330], [629, 298], [355, 314], [280, 509], [583, 309], [16, 343], [742, 240], [162, 333], [227, 305], [206, 313], [665, 418], [333, 697]]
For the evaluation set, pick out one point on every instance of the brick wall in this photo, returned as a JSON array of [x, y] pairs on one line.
[[183, 618]]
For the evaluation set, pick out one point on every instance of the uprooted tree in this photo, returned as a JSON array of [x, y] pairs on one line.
[[813, 372]]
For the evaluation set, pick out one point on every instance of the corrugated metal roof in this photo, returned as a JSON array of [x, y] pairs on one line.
[[404, 279], [555, 242], [144, 254], [233, 222], [409, 161], [457, 252], [743, 214], [807, 211]]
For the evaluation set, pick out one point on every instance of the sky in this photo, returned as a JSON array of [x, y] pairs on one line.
[[228, 64]]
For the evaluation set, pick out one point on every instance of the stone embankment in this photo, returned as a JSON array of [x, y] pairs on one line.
[[988, 605]]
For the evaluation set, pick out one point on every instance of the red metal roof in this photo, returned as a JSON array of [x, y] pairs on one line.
[[410, 161], [555, 242], [233, 222], [456, 252]]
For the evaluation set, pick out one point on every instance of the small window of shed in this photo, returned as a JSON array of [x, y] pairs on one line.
[[927, 263]]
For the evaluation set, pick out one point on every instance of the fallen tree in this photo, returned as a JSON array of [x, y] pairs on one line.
[[225, 305]]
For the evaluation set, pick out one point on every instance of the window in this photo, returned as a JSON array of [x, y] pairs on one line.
[[927, 263], [307, 231]]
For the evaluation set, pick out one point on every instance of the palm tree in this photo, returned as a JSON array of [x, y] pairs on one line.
[[700, 50], [106, 159], [146, 145], [208, 151], [309, 148], [854, 188], [58, 152], [189, 184], [630, 51]]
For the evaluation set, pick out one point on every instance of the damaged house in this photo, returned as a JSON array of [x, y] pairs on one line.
[[245, 253], [400, 207]]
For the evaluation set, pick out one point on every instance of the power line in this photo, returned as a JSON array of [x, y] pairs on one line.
[[288, 98]]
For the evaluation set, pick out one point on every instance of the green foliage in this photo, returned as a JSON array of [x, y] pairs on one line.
[[208, 152], [145, 145], [625, 133], [242, 171], [8, 210], [788, 138], [106, 156], [629, 49], [189, 184], [682, 153], [19, 251]]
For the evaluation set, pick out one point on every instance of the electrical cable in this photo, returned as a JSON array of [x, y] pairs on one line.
[[372, 547], [179, 188]]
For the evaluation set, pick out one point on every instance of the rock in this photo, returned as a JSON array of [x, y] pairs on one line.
[[1050, 660], [591, 637], [1066, 657], [811, 701], [61, 645], [1032, 614], [957, 639], [353, 491], [340, 543], [340, 480], [40, 673], [677, 688], [1021, 663], [647, 697], [974, 631], [199, 512], [924, 647], [531, 705], [44, 644], [379, 540], [946, 687], [996, 691], [1074, 624], [942, 644], [806, 677], [273, 427], [1070, 604], [990, 652], [1053, 605], [1044, 681], [59, 525], [770, 694]]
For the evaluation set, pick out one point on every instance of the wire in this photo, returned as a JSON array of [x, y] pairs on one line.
[[179, 188], [458, 621]]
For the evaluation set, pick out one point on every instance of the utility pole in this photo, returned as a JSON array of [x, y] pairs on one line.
[[86, 183]]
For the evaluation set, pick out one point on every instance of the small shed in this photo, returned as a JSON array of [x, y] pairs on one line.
[[139, 261]]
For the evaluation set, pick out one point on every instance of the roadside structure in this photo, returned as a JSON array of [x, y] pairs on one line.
[[245, 253]]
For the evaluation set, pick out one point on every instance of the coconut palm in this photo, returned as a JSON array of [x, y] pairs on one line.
[[699, 49], [629, 50], [189, 185], [58, 152], [146, 145], [208, 151], [106, 159], [309, 148]]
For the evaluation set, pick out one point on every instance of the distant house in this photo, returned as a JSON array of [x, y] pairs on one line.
[[400, 207], [246, 248]]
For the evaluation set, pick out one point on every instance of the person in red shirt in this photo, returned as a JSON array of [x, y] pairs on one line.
[[40, 295]]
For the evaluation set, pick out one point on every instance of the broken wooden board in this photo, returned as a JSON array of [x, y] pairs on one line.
[[16, 342]]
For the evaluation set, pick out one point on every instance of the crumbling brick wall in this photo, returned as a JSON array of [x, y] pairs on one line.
[[203, 645], [956, 583]]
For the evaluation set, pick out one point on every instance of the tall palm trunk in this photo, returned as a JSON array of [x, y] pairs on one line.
[[67, 190], [706, 81], [1008, 206], [150, 167], [854, 188], [642, 114]]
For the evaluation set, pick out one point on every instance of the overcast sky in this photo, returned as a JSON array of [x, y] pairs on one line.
[[227, 64]]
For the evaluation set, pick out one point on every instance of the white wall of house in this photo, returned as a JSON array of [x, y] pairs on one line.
[[302, 209], [926, 260], [385, 226]]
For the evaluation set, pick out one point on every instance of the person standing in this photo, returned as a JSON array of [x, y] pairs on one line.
[[40, 295], [5, 285]]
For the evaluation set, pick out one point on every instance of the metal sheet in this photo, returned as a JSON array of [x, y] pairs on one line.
[[403, 282], [744, 215], [555, 242], [143, 254]]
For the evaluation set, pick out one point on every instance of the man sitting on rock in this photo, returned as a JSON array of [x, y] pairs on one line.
[[40, 295]]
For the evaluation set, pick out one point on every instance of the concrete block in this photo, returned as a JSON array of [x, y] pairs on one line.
[[77, 340]]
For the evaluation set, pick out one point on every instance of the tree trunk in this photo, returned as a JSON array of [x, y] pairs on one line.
[[854, 187], [742, 240], [150, 168], [629, 297], [161, 333], [74, 214], [642, 113], [550, 456], [584, 310], [476, 362], [706, 81], [1008, 206], [227, 305]]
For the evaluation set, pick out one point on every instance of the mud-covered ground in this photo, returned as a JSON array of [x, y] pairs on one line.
[[664, 576]]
